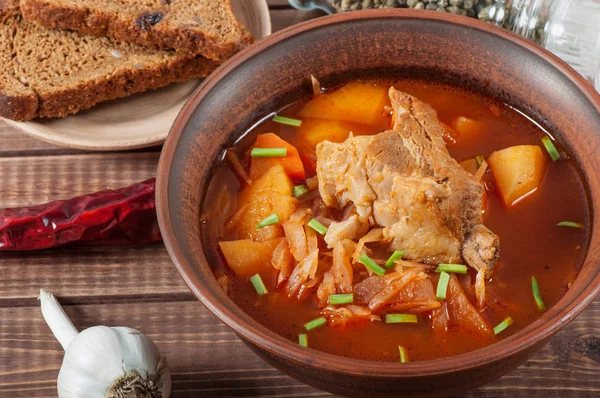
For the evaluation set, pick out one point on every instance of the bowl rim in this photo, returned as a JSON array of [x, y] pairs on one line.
[[264, 338]]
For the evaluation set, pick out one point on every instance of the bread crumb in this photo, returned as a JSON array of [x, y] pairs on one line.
[[116, 53]]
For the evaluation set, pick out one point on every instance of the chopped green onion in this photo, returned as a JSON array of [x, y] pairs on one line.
[[570, 224], [503, 325], [315, 323], [400, 318], [552, 151], [397, 255], [452, 268], [442, 286], [372, 265], [268, 152], [288, 121], [479, 159], [258, 284], [317, 226], [403, 354], [303, 339], [299, 190], [339, 299], [536, 294], [269, 220]]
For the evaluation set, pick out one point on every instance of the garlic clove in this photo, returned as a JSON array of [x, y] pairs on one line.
[[96, 354], [73, 383], [139, 352]]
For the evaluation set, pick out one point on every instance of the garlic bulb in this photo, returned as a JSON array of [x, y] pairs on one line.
[[105, 362]]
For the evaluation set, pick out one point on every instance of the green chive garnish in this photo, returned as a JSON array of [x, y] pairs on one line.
[[258, 284], [268, 152], [503, 325], [397, 255], [452, 268], [315, 323], [288, 121], [339, 299], [270, 220], [303, 339], [552, 151], [400, 318], [570, 224], [372, 265], [299, 190], [317, 226], [403, 354], [536, 294], [479, 159], [442, 286]]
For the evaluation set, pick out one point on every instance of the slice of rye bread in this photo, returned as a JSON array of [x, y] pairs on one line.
[[53, 73], [194, 27]]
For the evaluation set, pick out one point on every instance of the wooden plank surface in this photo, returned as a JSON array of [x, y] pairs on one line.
[[28, 180], [15, 143], [84, 275], [139, 287], [208, 360]]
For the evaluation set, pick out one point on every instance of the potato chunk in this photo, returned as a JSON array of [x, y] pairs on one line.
[[273, 180], [355, 102], [468, 128], [247, 257], [262, 206], [314, 131], [271, 193], [518, 171]]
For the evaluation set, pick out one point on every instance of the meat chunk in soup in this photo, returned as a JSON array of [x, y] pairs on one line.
[[405, 181], [342, 175], [460, 210]]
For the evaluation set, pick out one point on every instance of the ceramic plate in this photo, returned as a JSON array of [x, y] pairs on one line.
[[141, 120]]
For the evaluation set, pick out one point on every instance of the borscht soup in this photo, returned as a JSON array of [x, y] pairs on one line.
[[396, 221]]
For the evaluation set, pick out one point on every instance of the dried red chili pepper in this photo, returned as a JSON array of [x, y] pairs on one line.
[[111, 217]]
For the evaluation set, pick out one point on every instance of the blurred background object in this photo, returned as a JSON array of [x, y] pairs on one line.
[[568, 28]]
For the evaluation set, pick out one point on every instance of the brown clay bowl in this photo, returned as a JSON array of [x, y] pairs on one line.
[[275, 72]]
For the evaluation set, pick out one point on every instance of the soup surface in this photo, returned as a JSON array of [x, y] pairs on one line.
[[525, 195]]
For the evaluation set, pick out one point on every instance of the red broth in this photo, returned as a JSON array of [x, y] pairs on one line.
[[531, 243]]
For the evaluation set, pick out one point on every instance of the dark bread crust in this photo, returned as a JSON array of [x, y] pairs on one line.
[[97, 23], [18, 108], [131, 81]]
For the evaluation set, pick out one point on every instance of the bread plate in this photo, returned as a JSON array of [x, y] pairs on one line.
[[141, 120]]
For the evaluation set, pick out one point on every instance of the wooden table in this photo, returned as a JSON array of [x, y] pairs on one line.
[[140, 287]]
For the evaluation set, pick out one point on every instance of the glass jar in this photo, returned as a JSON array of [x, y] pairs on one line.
[[568, 28]]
